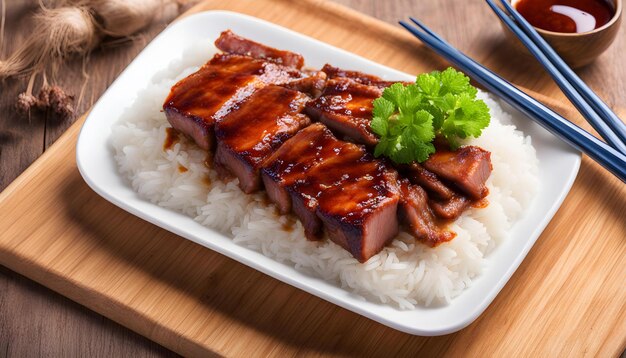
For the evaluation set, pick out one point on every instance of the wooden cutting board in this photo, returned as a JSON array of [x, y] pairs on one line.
[[567, 298]]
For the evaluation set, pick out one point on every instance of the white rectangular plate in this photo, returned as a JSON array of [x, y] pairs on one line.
[[558, 168]]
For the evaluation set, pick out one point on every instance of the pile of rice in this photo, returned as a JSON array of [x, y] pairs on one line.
[[405, 274]]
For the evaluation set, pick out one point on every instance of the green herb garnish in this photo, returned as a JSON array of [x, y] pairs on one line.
[[407, 118]]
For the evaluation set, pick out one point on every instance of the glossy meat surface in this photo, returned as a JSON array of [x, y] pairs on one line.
[[313, 84], [417, 214], [337, 184], [419, 175], [360, 77], [247, 104], [346, 107], [451, 208], [261, 123], [231, 43], [293, 161], [468, 168], [200, 100]]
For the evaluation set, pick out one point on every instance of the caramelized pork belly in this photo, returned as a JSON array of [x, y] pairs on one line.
[[200, 100], [345, 106], [295, 158], [360, 77], [417, 214], [337, 184], [313, 84], [467, 168], [361, 214], [231, 43], [428, 180], [451, 208], [268, 71], [446, 201], [247, 136]]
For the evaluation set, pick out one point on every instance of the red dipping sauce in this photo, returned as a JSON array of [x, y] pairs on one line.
[[573, 16]]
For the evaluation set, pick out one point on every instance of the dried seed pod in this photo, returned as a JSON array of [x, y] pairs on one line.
[[25, 103], [121, 18], [51, 99], [58, 34]]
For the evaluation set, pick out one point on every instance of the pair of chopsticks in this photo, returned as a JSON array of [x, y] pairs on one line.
[[595, 111], [609, 157]]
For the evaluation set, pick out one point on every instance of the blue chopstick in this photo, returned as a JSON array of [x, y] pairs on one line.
[[598, 105], [608, 157], [570, 91]]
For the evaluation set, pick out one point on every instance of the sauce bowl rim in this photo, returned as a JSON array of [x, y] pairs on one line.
[[611, 22]]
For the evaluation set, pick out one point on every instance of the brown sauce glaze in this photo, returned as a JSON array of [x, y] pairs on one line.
[[360, 77], [246, 137], [262, 123], [171, 137], [231, 43], [419, 218], [480, 204], [340, 184], [346, 108], [290, 223], [210, 93], [467, 168], [182, 169], [291, 163], [200, 100], [569, 16]]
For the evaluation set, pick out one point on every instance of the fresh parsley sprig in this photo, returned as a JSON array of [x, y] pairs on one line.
[[407, 118]]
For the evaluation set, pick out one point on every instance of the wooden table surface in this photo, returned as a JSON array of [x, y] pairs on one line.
[[35, 321]]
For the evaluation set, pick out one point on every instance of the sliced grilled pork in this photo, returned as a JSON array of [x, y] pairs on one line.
[[313, 84], [361, 214], [428, 180], [450, 209], [445, 202], [416, 213], [336, 183], [360, 77], [468, 168], [261, 123], [295, 158], [345, 106], [231, 43], [198, 101]]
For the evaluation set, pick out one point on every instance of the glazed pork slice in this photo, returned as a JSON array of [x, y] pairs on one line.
[[417, 214], [467, 168], [198, 101], [247, 136], [450, 209], [337, 185], [360, 77], [446, 203], [418, 175], [294, 164], [269, 72], [345, 106], [232, 43], [361, 214], [313, 84], [295, 158]]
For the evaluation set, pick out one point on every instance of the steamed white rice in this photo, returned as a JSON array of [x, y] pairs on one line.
[[404, 275]]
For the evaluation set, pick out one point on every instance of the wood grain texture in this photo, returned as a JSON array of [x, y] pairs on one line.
[[157, 277], [34, 321]]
